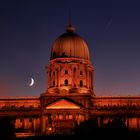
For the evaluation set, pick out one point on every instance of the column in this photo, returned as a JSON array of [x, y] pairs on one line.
[[86, 115], [99, 122], [87, 79], [64, 116], [74, 75], [59, 75], [43, 124], [91, 80], [34, 124], [55, 78], [17, 123], [138, 124], [25, 123], [38, 124], [77, 118], [130, 123]]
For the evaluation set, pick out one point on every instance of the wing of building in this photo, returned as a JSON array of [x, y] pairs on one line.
[[69, 97]]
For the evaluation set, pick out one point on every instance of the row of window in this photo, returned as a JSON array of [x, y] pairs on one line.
[[117, 107], [29, 119], [21, 107], [64, 117], [66, 72], [66, 83]]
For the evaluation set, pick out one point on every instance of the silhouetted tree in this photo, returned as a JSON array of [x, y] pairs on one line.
[[6, 127], [118, 123], [90, 128], [87, 127], [115, 128]]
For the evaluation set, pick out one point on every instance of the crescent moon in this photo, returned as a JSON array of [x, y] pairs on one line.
[[32, 82]]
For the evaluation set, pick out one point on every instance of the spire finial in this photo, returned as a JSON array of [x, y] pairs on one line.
[[69, 20], [70, 28]]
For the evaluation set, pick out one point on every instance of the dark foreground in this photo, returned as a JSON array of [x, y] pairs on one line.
[[133, 135], [88, 130]]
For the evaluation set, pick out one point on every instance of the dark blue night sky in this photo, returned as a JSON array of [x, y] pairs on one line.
[[29, 27]]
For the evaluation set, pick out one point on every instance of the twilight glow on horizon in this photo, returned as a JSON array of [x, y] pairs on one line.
[[110, 28]]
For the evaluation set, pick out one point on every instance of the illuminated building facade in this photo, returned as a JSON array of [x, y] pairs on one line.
[[69, 98]]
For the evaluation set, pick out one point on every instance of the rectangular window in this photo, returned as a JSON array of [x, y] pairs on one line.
[[30, 119], [53, 83], [66, 71]]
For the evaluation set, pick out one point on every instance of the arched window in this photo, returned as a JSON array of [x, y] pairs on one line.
[[53, 73], [66, 82], [53, 83], [81, 83], [66, 71]]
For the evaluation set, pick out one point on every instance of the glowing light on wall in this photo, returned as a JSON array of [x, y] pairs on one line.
[[62, 104]]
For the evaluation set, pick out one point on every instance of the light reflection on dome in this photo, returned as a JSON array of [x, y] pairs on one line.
[[71, 45]]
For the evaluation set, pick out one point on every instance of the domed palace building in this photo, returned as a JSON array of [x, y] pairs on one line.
[[69, 98]]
